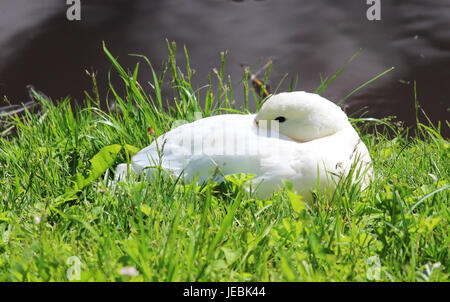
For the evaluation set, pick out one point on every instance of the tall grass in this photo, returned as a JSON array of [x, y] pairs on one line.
[[395, 230]]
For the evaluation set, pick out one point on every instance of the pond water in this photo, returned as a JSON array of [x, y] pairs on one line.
[[40, 46]]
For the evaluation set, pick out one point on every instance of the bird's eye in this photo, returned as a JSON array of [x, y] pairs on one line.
[[280, 119]]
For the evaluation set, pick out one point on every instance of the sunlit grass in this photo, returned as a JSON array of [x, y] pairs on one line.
[[170, 231]]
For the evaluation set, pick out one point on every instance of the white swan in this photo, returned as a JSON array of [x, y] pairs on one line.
[[296, 136]]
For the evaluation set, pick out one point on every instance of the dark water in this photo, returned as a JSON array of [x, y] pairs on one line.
[[309, 38]]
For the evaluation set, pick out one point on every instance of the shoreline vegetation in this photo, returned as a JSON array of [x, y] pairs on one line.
[[59, 220]]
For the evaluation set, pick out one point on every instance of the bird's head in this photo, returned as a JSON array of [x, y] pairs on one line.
[[302, 116]]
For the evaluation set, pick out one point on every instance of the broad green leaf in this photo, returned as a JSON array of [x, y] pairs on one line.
[[230, 255], [145, 209], [103, 160], [4, 217], [79, 181], [296, 200], [287, 268]]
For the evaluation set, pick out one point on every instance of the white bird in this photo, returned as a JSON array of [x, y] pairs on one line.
[[298, 137]]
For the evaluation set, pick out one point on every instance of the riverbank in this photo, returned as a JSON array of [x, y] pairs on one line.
[[60, 221]]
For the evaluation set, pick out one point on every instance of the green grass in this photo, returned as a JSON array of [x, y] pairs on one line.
[[53, 206]]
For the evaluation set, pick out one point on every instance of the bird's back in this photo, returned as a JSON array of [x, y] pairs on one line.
[[229, 144]]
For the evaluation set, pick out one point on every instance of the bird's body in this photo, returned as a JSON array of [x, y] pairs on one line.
[[233, 143]]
